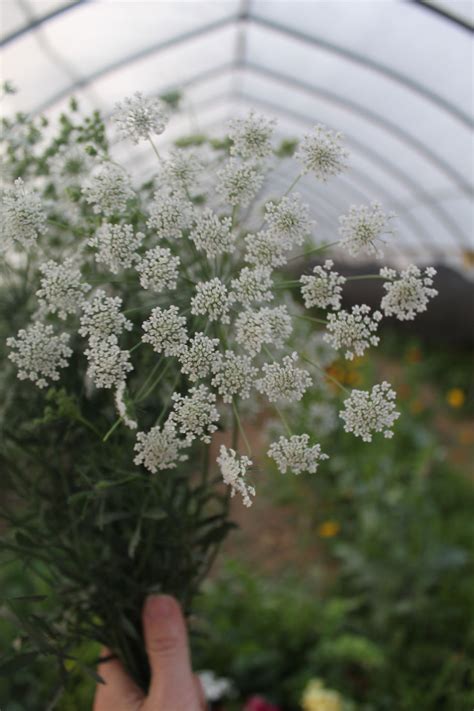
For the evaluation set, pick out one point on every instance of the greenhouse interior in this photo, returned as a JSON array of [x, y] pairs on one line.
[[237, 336]]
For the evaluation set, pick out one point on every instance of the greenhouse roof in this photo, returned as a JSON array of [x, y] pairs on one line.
[[395, 76]]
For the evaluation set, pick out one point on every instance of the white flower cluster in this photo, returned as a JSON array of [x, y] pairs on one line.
[[283, 381], [195, 415], [160, 448], [323, 288], [234, 470], [165, 329], [69, 165], [354, 331], [212, 300], [288, 221], [199, 356], [62, 289], [139, 117], [409, 294], [101, 317], [238, 183], [108, 364], [234, 376], [39, 354], [295, 454], [362, 227], [116, 246], [23, 217], [322, 153], [252, 285], [180, 172], [368, 412], [251, 136], [170, 214], [212, 233], [108, 190], [158, 270]]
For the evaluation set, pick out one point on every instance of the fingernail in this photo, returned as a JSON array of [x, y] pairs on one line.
[[159, 606]]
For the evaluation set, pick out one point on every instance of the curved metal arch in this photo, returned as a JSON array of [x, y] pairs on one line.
[[37, 22], [443, 13], [357, 58], [370, 154]]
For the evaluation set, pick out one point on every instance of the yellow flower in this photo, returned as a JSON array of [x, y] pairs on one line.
[[455, 397], [316, 698], [329, 529]]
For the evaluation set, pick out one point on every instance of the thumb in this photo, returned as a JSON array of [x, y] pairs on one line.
[[166, 643]]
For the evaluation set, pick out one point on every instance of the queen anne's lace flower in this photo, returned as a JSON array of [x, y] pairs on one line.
[[195, 414], [138, 117], [158, 269], [101, 317], [181, 171], [264, 249], [22, 216], [116, 246], [234, 376], [121, 406], [234, 470], [199, 356], [252, 331], [283, 381], [238, 183], [295, 454], [62, 289], [39, 353], [213, 234], [108, 190], [368, 412], [322, 153], [159, 448], [252, 285], [288, 220], [69, 165], [165, 329], [170, 214], [280, 323], [354, 331], [251, 136], [323, 288], [409, 294], [362, 227], [211, 299], [108, 364]]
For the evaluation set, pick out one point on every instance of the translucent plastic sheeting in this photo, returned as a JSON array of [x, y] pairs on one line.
[[394, 75]]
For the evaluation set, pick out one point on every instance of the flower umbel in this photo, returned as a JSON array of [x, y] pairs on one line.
[[322, 153], [39, 353], [354, 331], [234, 470], [62, 289], [362, 227], [368, 412], [138, 117], [409, 294], [294, 454], [323, 288]]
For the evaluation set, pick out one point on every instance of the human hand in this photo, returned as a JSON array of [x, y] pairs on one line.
[[173, 686]]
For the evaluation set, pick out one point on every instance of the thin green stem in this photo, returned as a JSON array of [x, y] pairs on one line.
[[148, 378], [155, 383], [283, 419], [112, 429], [326, 374], [365, 276], [293, 184], [310, 318], [321, 248], [155, 149], [241, 429], [137, 345]]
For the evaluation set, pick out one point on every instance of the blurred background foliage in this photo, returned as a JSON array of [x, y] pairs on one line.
[[371, 591]]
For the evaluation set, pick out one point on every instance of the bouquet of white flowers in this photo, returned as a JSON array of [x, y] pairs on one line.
[[146, 318]]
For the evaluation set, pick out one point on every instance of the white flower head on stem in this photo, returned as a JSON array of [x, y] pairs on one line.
[[211, 299], [251, 136], [116, 246], [181, 171], [158, 270], [69, 165], [238, 183], [322, 153], [234, 469], [213, 234], [354, 331], [252, 331], [289, 221], [283, 381], [368, 412], [199, 356], [62, 289], [108, 363], [195, 414], [362, 227], [170, 214], [101, 316], [294, 454], [39, 354], [160, 448], [264, 249], [23, 217], [323, 288], [234, 376], [166, 331], [280, 323], [138, 117], [252, 285], [108, 190], [121, 406], [409, 294]]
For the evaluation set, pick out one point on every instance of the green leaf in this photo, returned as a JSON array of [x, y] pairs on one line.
[[155, 514], [19, 661]]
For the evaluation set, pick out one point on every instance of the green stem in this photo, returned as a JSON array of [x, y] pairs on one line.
[[310, 318], [155, 383], [326, 374], [155, 149], [293, 184], [148, 378], [365, 276], [112, 429], [321, 248], [283, 419], [242, 431], [137, 345]]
